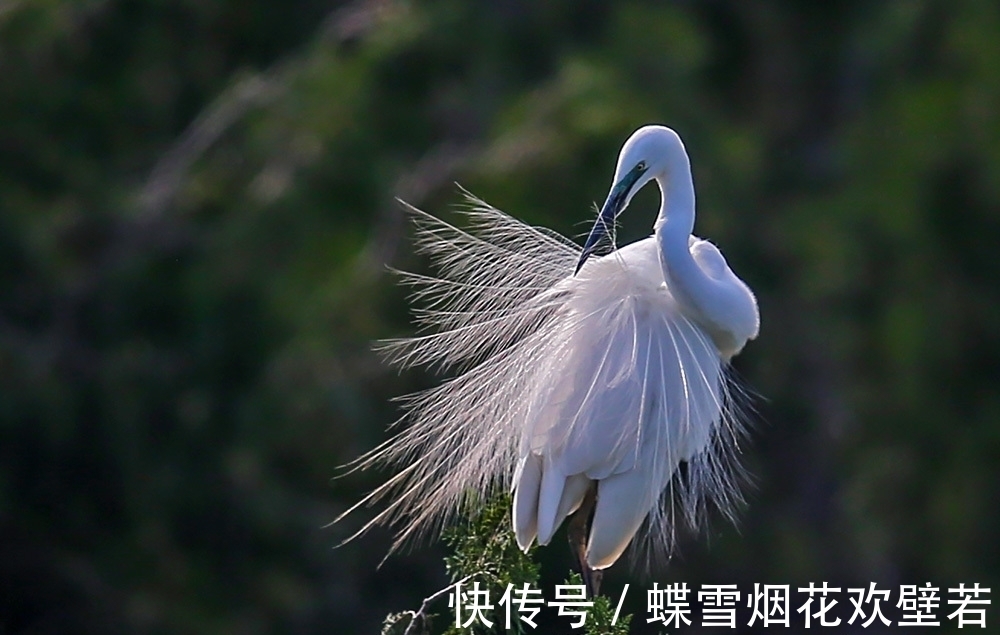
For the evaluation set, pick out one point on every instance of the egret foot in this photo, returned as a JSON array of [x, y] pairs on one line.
[[577, 532]]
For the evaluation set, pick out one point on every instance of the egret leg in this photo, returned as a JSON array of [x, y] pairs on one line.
[[577, 531]]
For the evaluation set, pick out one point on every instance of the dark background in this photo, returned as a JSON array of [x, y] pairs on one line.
[[196, 207]]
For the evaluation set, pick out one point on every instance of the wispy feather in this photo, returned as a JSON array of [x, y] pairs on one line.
[[599, 372]]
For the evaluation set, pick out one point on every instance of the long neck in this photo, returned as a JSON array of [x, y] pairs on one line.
[[676, 219], [692, 288]]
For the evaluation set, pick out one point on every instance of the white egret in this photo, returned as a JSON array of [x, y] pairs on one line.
[[583, 382]]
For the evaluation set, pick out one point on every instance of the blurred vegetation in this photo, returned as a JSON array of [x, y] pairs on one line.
[[196, 211]]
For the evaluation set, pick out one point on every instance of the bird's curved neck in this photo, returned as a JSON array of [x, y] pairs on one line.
[[689, 285], [675, 221]]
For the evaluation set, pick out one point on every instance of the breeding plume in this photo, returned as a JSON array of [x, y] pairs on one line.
[[582, 383]]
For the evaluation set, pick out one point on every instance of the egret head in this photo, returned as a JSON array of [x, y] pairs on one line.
[[647, 154]]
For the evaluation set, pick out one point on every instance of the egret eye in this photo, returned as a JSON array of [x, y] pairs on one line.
[[641, 166]]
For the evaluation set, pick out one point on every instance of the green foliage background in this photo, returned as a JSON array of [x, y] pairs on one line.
[[196, 207]]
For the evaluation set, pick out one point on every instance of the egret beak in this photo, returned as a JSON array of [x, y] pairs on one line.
[[617, 200]]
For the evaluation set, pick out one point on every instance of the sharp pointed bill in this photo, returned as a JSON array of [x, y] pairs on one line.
[[608, 216], [570, 378]]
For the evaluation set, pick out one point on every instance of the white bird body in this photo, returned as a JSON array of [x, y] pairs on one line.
[[609, 377], [609, 428]]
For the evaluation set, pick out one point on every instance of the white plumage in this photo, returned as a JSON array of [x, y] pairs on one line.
[[573, 372]]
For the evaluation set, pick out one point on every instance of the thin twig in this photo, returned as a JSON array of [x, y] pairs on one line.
[[421, 614]]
